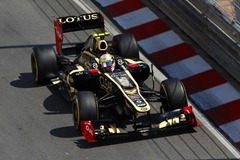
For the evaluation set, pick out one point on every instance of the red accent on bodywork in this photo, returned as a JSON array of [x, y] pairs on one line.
[[58, 36], [88, 131], [192, 119], [132, 65], [93, 71], [187, 110]]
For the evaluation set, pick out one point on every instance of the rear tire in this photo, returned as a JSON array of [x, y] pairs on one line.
[[44, 64], [175, 93], [85, 107], [126, 45]]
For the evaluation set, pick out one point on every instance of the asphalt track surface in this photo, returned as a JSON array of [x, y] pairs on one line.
[[36, 122]]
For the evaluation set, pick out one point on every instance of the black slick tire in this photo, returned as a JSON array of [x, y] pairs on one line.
[[125, 45], [44, 64], [175, 95], [85, 107]]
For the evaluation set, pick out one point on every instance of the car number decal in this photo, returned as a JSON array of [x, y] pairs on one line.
[[105, 83]]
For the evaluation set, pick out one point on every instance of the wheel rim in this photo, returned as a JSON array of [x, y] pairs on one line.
[[76, 114], [165, 105], [34, 67]]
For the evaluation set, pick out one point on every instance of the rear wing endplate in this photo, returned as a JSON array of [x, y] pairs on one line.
[[76, 23]]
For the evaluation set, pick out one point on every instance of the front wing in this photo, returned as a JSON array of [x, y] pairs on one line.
[[94, 131]]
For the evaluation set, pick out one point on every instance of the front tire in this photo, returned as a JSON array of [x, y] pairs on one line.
[[85, 107], [44, 64], [175, 95]]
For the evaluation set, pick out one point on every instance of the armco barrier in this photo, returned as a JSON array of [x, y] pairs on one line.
[[236, 4], [212, 33]]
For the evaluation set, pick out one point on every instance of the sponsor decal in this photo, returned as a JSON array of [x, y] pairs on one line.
[[72, 19], [138, 101], [58, 33], [142, 104], [120, 62], [88, 131], [143, 108], [94, 65], [124, 81], [134, 97], [131, 92]]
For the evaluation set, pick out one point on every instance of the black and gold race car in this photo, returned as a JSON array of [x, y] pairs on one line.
[[108, 103]]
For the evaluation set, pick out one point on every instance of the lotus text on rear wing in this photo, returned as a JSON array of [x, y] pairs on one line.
[[73, 19]]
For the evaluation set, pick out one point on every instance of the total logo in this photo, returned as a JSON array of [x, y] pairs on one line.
[[88, 129]]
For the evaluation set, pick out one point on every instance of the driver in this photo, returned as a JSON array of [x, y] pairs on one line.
[[107, 62]]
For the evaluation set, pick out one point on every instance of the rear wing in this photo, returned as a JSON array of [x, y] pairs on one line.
[[76, 23]]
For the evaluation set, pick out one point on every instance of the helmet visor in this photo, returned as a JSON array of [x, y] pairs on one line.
[[107, 63]]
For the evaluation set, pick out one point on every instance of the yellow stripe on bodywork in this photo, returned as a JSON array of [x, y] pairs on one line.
[[169, 122], [79, 69], [113, 129], [132, 61], [56, 82], [101, 34], [97, 60]]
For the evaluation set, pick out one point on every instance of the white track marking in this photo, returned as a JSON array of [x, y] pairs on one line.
[[106, 3], [181, 69], [133, 19], [161, 77], [216, 96], [160, 42], [232, 130]]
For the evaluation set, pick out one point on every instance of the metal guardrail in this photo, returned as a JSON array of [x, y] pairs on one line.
[[225, 7], [236, 4], [223, 14], [207, 27]]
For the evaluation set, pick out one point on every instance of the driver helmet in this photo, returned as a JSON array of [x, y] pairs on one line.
[[107, 62]]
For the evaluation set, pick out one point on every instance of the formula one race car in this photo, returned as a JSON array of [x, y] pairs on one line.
[[108, 103]]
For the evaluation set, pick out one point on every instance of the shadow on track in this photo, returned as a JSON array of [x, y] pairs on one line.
[[65, 132], [25, 80], [56, 103]]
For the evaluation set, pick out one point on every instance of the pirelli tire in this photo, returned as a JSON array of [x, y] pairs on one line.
[[125, 45], [85, 107], [175, 95], [44, 64]]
